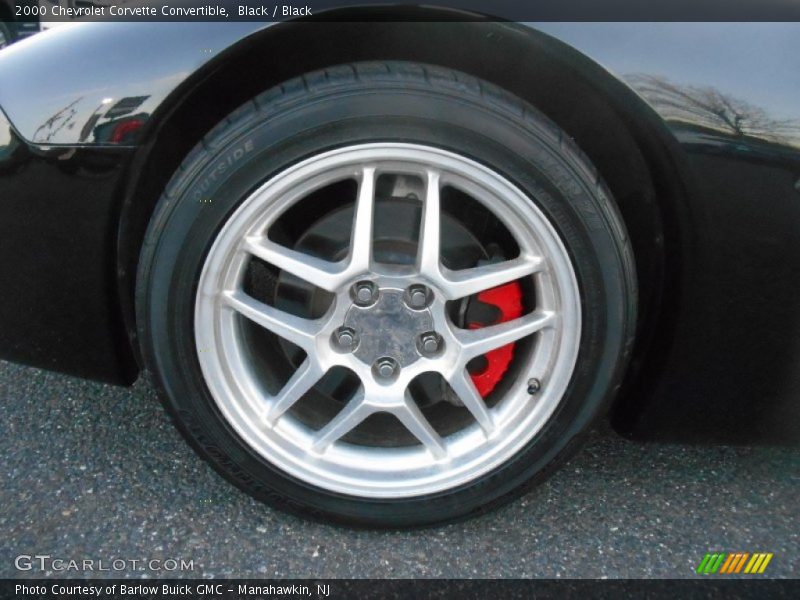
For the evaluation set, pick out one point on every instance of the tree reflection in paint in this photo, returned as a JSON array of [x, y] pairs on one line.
[[708, 108]]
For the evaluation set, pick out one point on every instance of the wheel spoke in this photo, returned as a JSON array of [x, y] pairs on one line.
[[328, 275], [430, 230], [459, 284], [465, 389], [477, 342], [297, 330], [303, 380], [411, 416], [348, 418], [361, 244]]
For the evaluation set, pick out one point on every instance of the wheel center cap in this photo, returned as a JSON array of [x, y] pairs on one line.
[[388, 328]]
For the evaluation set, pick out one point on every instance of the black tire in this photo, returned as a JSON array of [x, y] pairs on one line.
[[371, 102]]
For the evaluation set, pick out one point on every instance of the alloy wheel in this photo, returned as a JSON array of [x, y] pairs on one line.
[[387, 324]]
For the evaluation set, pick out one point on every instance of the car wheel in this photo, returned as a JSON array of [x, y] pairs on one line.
[[386, 294]]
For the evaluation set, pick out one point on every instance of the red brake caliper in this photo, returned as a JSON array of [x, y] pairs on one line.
[[508, 299]]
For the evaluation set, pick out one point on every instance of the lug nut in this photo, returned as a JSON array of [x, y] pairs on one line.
[[430, 343], [364, 293], [346, 339], [534, 385], [417, 297], [385, 368]]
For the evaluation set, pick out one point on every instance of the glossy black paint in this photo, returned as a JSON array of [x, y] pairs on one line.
[[723, 354], [129, 62], [59, 306], [727, 94], [734, 370]]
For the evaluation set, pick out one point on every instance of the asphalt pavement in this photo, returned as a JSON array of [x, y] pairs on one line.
[[91, 471]]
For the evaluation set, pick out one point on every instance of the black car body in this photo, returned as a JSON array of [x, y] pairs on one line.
[[694, 126]]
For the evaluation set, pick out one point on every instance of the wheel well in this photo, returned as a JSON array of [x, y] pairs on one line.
[[619, 134]]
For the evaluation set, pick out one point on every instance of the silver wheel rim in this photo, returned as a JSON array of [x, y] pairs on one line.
[[319, 457]]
